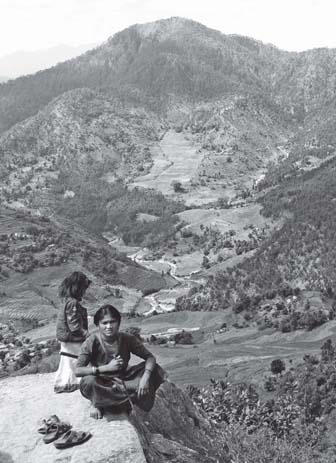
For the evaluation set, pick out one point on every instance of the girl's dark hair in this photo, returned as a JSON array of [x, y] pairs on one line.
[[106, 309], [74, 285]]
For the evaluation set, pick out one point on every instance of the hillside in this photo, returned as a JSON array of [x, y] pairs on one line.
[[37, 253], [74, 157], [78, 129], [237, 138], [242, 103], [176, 60], [302, 249]]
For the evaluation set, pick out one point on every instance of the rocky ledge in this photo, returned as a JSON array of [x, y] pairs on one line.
[[174, 431], [25, 400]]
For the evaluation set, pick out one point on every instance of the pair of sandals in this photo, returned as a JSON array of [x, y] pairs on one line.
[[61, 434]]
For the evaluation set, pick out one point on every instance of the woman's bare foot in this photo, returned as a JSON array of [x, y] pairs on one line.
[[97, 413]]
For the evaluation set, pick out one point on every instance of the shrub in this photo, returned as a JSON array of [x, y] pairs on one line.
[[277, 366], [263, 447], [177, 186], [183, 338]]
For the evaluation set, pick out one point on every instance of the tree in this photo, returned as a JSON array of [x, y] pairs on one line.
[[327, 351], [223, 203], [177, 186], [183, 338], [205, 262], [277, 366]]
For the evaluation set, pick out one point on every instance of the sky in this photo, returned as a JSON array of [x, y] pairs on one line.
[[293, 25]]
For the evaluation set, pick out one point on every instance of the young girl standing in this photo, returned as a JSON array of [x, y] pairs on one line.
[[71, 329]]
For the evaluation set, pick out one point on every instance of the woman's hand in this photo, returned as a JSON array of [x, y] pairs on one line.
[[144, 385], [114, 365]]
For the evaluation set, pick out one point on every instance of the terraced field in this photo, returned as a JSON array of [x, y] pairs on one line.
[[176, 159], [225, 219]]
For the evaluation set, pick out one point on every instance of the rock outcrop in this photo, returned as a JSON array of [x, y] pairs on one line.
[[174, 431], [28, 399]]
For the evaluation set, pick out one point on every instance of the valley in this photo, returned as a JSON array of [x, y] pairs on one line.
[[238, 349], [191, 175]]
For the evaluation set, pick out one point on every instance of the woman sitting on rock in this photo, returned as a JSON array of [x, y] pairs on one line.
[[107, 380], [71, 330]]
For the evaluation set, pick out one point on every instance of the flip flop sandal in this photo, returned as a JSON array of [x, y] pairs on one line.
[[71, 438], [55, 431], [44, 429]]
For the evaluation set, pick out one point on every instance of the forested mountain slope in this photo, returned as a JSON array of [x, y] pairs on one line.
[[163, 60], [177, 61], [299, 256]]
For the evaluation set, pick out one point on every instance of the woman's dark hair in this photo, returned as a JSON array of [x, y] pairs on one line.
[[106, 309], [74, 285]]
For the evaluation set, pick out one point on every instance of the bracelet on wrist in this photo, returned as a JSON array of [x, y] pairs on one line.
[[149, 371], [94, 370]]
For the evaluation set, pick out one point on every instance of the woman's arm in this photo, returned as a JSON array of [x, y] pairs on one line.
[[144, 381], [150, 365], [136, 347], [112, 367], [73, 318]]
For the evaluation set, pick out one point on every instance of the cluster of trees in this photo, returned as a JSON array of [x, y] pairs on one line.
[[304, 248], [100, 206], [41, 245], [285, 309], [212, 241]]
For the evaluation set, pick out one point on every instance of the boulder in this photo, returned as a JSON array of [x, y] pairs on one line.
[[26, 400]]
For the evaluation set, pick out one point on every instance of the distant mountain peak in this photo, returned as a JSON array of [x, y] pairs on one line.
[[162, 29], [174, 23]]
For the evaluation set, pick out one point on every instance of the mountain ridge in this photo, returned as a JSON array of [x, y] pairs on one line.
[[126, 48]]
